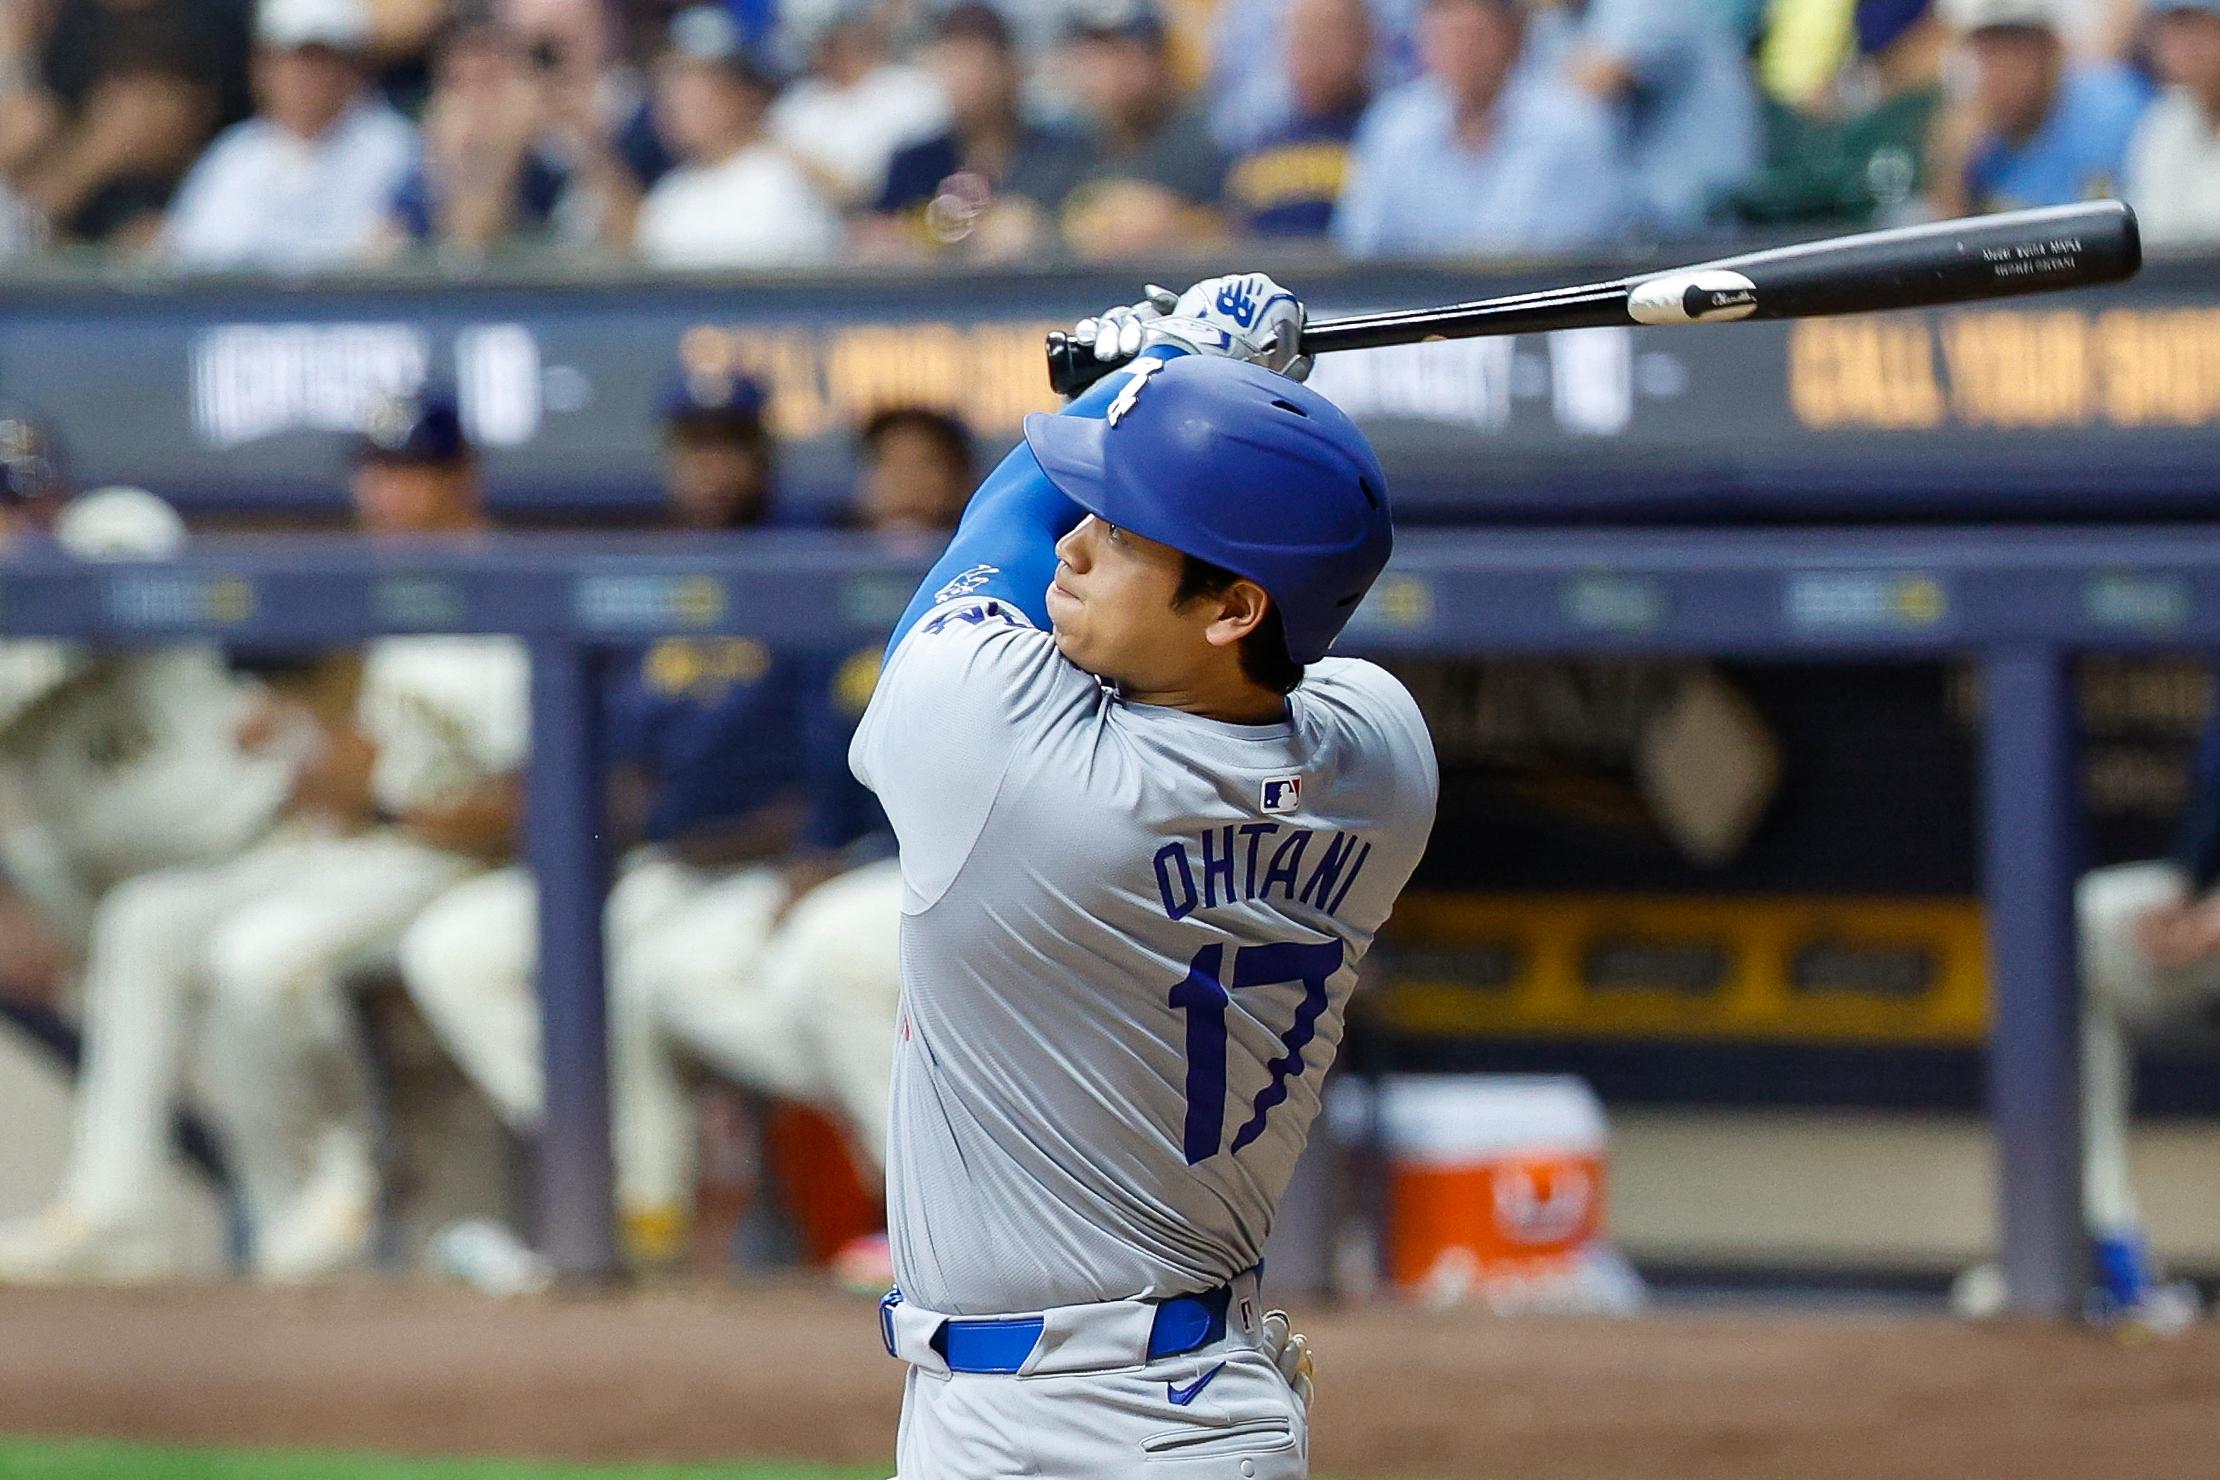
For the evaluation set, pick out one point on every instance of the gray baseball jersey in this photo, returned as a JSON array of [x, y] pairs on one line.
[[1129, 934]]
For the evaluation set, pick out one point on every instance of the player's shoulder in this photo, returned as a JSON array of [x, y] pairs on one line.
[[1370, 705], [983, 650]]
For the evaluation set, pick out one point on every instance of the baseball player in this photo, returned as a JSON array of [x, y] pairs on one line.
[[717, 790], [113, 767], [1148, 831], [2150, 963], [261, 940]]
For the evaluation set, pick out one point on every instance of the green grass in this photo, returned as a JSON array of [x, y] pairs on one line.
[[99, 1460]]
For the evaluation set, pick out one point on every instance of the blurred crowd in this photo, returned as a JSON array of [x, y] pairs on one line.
[[301, 135]]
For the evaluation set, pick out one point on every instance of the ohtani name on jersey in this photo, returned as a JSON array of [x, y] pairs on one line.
[[1259, 860]]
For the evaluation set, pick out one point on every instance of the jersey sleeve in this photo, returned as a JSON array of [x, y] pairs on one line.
[[975, 686]]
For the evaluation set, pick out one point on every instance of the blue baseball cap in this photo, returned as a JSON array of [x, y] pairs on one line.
[[1235, 465], [716, 397], [424, 426]]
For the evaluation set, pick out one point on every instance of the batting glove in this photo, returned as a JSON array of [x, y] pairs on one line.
[[1243, 317], [1290, 1351]]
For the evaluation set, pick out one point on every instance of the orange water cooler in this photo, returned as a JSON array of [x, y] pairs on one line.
[[1496, 1192]]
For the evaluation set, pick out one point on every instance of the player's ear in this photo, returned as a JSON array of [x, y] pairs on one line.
[[1241, 608]]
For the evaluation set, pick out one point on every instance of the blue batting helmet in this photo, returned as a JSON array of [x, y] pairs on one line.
[[1246, 469]]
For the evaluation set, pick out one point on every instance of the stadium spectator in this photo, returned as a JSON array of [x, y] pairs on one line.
[[736, 199], [1857, 152], [600, 115], [2173, 175], [120, 96], [1286, 183], [1675, 74], [2040, 128], [857, 107], [1249, 102], [1481, 155], [1158, 173], [305, 183], [993, 182], [480, 177]]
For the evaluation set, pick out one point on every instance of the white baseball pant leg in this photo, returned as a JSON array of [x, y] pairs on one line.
[[2122, 995], [470, 962], [141, 978], [698, 979], [835, 966], [287, 1078]]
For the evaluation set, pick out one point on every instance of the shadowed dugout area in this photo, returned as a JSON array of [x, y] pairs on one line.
[[785, 1374]]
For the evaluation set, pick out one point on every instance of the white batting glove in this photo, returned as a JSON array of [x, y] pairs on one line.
[[1246, 316], [1290, 1351]]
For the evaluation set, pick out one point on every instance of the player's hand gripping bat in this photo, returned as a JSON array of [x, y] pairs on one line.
[[1980, 257]]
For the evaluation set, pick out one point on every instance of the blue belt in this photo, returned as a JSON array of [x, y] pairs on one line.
[[1183, 1324]]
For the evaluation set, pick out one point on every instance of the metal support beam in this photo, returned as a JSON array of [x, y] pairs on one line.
[[564, 832], [2033, 854]]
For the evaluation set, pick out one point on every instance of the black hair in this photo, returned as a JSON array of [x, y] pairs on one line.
[[1264, 657], [943, 427]]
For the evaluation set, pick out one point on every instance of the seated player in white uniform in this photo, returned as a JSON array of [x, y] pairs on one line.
[[385, 813], [2150, 967], [1148, 831], [716, 791]]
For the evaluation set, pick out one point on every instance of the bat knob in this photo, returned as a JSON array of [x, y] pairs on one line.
[[1072, 366]]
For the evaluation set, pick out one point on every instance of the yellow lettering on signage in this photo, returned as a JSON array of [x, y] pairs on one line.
[[1863, 373], [2017, 369], [2160, 369]]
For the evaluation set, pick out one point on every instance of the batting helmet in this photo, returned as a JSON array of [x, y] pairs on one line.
[[31, 462], [1241, 467]]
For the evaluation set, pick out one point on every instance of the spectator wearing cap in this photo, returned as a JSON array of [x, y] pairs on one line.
[[1481, 155], [1158, 173], [2040, 127], [119, 96], [718, 458], [2173, 172], [303, 185], [1286, 183], [1675, 75], [994, 179], [857, 107], [1857, 152], [480, 176], [735, 199]]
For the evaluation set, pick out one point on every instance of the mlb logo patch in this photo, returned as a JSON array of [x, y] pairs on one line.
[[1283, 794]]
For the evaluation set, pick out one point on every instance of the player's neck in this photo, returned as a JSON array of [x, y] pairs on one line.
[[1232, 699]]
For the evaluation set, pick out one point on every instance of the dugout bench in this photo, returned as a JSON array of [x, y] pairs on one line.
[[2020, 603]]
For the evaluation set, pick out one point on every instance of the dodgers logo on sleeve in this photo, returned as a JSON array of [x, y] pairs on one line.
[[970, 581]]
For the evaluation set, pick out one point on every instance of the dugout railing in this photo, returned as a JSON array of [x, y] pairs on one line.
[[2020, 604]]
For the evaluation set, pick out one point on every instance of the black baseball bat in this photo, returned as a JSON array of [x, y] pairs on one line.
[[1980, 257]]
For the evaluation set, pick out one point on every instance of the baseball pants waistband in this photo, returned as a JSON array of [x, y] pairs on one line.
[[1098, 1337]]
